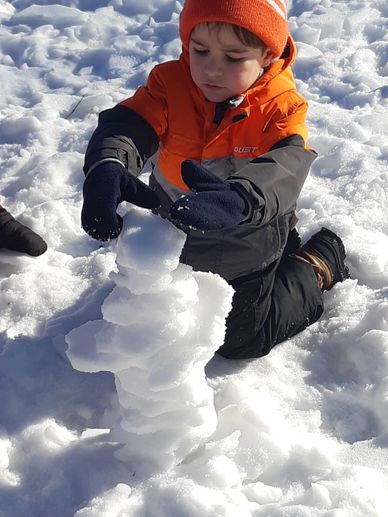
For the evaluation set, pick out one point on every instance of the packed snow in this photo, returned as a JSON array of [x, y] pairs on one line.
[[113, 402], [166, 404]]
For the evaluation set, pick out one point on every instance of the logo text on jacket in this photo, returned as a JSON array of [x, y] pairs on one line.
[[245, 149]]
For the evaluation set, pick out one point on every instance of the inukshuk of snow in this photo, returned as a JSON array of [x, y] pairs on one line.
[[161, 324]]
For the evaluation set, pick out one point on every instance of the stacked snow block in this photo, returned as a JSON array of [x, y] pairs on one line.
[[161, 324]]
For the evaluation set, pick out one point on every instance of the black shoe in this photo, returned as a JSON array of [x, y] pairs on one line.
[[15, 236], [330, 248]]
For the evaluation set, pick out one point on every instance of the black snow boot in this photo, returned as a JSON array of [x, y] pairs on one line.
[[15, 236], [325, 251]]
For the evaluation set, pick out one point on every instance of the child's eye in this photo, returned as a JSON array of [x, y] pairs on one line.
[[200, 52], [234, 59]]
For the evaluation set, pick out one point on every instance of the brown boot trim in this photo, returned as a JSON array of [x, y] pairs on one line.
[[322, 271]]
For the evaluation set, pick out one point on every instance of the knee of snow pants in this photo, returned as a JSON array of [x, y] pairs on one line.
[[270, 307]]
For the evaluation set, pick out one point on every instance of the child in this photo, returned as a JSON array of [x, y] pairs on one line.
[[15, 236], [229, 131]]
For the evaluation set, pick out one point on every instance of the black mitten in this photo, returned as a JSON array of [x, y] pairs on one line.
[[15, 236], [105, 187], [213, 205]]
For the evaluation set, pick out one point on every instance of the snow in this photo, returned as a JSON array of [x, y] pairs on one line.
[[166, 404], [98, 341]]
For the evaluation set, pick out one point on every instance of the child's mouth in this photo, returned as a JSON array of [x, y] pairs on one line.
[[213, 87]]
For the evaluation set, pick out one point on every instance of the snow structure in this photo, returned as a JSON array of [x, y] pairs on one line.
[[161, 324]]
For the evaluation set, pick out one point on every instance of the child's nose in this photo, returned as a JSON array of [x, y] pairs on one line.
[[213, 67]]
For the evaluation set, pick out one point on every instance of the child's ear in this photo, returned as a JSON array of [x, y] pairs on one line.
[[268, 57]]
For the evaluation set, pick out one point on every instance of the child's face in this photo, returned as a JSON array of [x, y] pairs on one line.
[[221, 66]]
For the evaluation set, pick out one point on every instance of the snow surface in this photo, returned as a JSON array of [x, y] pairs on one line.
[[301, 432]]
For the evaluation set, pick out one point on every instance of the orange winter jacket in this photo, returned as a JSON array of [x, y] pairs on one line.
[[258, 140], [183, 119]]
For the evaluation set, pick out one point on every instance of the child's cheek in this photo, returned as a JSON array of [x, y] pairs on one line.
[[193, 68]]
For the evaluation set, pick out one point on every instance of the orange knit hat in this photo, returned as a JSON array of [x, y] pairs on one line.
[[267, 19]]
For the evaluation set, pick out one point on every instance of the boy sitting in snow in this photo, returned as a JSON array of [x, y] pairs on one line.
[[229, 130], [15, 236]]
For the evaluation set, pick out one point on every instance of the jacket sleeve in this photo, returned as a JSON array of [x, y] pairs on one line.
[[275, 178], [130, 132]]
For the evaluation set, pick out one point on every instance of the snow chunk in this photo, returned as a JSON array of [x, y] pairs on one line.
[[162, 324], [58, 16]]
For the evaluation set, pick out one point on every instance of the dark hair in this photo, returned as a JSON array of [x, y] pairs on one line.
[[245, 36]]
